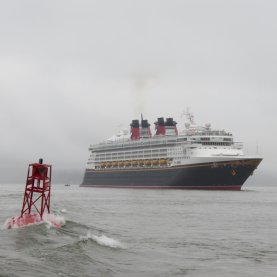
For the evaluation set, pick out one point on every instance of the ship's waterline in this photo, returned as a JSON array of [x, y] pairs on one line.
[[228, 175], [197, 158]]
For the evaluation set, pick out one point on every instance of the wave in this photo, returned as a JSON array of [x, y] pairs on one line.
[[64, 211], [53, 220], [102, 240]]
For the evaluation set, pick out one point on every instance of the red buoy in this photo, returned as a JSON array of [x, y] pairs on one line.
[[37, 197], [37, 190]]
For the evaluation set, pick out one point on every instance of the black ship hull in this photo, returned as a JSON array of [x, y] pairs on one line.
[[228, 175]]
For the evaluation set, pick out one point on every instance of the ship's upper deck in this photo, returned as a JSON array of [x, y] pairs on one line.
[[192, 136], [205, 138]]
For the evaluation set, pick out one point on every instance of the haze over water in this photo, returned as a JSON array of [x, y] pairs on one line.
[[128, 232]]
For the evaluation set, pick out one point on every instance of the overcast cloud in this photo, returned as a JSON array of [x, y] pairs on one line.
[[73, 72]]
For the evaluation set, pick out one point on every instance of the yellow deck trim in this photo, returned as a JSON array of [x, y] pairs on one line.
[[235, 163]]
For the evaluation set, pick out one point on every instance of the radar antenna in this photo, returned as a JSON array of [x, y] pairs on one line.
[[189, 115]]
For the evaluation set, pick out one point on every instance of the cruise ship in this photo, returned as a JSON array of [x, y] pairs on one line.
[[198, 157]]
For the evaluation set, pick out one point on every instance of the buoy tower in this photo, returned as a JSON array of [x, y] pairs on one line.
[[38, 187], [36, 201]]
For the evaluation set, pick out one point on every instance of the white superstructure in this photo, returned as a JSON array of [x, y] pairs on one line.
[[195, 144]]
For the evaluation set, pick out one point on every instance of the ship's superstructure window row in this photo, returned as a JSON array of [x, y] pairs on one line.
[[144, 143], [131, 155], [217, 143]]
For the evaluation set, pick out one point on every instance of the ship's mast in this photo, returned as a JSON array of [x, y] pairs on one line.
[[190, 116]]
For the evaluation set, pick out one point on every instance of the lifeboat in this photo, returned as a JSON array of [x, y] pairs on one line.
[[121, 163], [134, 163], [103, 165], [114, 164], [163, 162], [155, 162], [127, 163], [141, 162], [108, 164], [147, 162]]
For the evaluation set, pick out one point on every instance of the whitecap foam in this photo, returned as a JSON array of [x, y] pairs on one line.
[[102, 240], [53, 220]]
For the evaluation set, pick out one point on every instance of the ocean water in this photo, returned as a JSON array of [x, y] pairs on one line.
[[129, 232]]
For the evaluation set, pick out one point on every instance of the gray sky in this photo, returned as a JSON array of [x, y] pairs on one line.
[[73, 72]]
